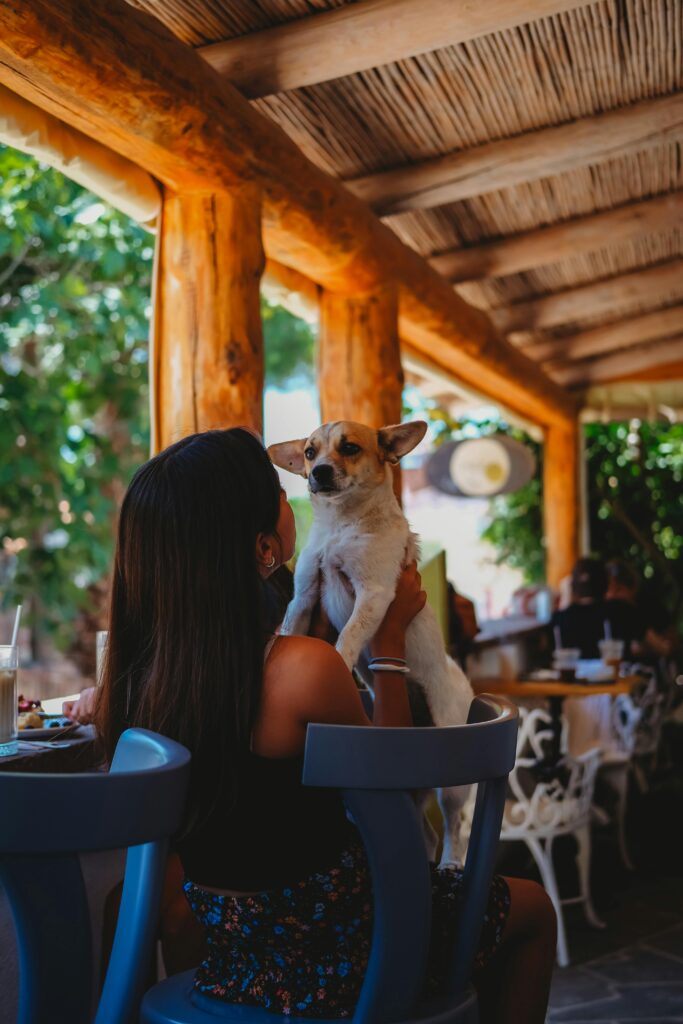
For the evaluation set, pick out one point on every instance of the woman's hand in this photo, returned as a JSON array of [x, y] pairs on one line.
[[81, 710], [409, 600]]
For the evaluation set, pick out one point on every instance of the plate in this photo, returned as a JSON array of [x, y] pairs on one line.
[[49, 732]]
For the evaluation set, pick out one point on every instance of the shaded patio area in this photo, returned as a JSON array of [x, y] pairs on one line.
[[633, 970]]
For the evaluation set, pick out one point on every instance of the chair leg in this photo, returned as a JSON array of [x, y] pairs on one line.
[[620, 785], [583, 861], [544, 860]]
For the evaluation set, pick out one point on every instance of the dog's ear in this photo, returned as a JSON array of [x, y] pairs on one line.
[[395, 442], [289, 455]]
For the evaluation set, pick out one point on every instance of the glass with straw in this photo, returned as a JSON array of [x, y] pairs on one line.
[[565, 659], [611, 650], [9, 664]]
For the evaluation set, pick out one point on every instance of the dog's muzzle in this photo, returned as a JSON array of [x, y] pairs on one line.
[[321, 480]]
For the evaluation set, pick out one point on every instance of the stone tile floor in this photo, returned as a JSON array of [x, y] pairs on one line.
[[640, 978], [633, 969]]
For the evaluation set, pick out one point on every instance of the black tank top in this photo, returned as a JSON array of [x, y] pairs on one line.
[[278, 831]]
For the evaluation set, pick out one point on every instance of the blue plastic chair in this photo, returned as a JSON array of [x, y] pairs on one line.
[[46, 821], [376, 771]]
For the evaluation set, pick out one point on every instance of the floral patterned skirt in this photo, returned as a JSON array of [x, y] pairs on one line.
[[302, 951]]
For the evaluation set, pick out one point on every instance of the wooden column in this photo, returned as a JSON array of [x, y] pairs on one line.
[[208, 340], [360, 374], [561, 500]]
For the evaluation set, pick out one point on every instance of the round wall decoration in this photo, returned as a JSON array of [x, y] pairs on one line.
[[481, 467]]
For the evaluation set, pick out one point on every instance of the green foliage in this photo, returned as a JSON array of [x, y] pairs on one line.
[[516, 530], [75, 280], [289, 345], [303, 519], [635, 474], [635, 500]]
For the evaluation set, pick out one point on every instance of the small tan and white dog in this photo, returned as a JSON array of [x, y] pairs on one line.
[[360, 532]]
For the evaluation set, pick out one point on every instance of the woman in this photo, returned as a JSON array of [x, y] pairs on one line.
[[275, 871]]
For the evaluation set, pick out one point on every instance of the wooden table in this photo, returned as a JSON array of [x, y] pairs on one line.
[[82, 755], [551, 688], [555, 693]]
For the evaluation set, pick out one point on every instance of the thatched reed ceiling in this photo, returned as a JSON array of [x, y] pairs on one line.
[[574, 65]]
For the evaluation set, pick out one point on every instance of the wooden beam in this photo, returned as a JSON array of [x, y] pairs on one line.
[[625, 364], [121, 76], [208, 343], [360, 375], [561, 241], [302, 297], [561, 501], [528, 157], [661, 372], [654, 284], [286, 287], [613, 337], [361, 36]]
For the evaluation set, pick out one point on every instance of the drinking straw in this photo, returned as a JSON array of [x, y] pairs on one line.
[[558, 636], [608, 629], [15, 631]]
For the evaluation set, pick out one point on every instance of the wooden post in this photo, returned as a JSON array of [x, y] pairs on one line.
[[561, 500], [208, 341], [360, 374]]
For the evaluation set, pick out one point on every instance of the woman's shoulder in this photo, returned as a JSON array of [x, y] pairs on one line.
[[307, 654], [309, 677]]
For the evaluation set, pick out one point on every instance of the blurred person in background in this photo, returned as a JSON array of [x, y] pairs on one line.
[[582, 623], [640, 620]]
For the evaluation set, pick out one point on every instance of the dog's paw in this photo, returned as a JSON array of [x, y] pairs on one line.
[[451, 865], [348, 656]]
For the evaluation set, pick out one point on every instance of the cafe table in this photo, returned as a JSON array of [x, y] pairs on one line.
[[555, 692]]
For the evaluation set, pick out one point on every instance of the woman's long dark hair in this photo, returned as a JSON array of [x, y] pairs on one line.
[[188, 619]]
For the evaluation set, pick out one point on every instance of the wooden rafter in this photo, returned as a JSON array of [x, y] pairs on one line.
[[624, 364], [561, 241], [126, 80], [361, 36], [651, 285], [527, 157], [611, 337]]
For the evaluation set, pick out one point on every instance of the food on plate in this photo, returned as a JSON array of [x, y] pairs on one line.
[[29, 720], [25, 704]]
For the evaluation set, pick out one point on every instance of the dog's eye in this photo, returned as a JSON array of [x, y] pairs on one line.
[[349, 449], [309, 453]]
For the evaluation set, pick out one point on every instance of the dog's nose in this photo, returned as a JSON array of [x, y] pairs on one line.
[[323, 473]]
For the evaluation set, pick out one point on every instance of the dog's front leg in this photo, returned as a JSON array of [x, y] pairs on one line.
[[368, 611], [306, 594]]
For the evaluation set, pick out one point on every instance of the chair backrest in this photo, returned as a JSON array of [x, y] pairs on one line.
[[551, 803], [377, 770], [46, 821]]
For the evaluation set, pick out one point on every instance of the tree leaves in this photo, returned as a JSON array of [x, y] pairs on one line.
[[74, 313]]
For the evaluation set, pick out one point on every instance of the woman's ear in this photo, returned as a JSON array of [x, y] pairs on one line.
[[395, 442], [266, 560], [289, 455]]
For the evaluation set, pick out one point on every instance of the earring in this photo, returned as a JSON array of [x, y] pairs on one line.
[[271, 563]]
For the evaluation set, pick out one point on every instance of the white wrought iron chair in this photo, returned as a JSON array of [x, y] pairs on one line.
[[539, 809], [617, 762], [653, 704]]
